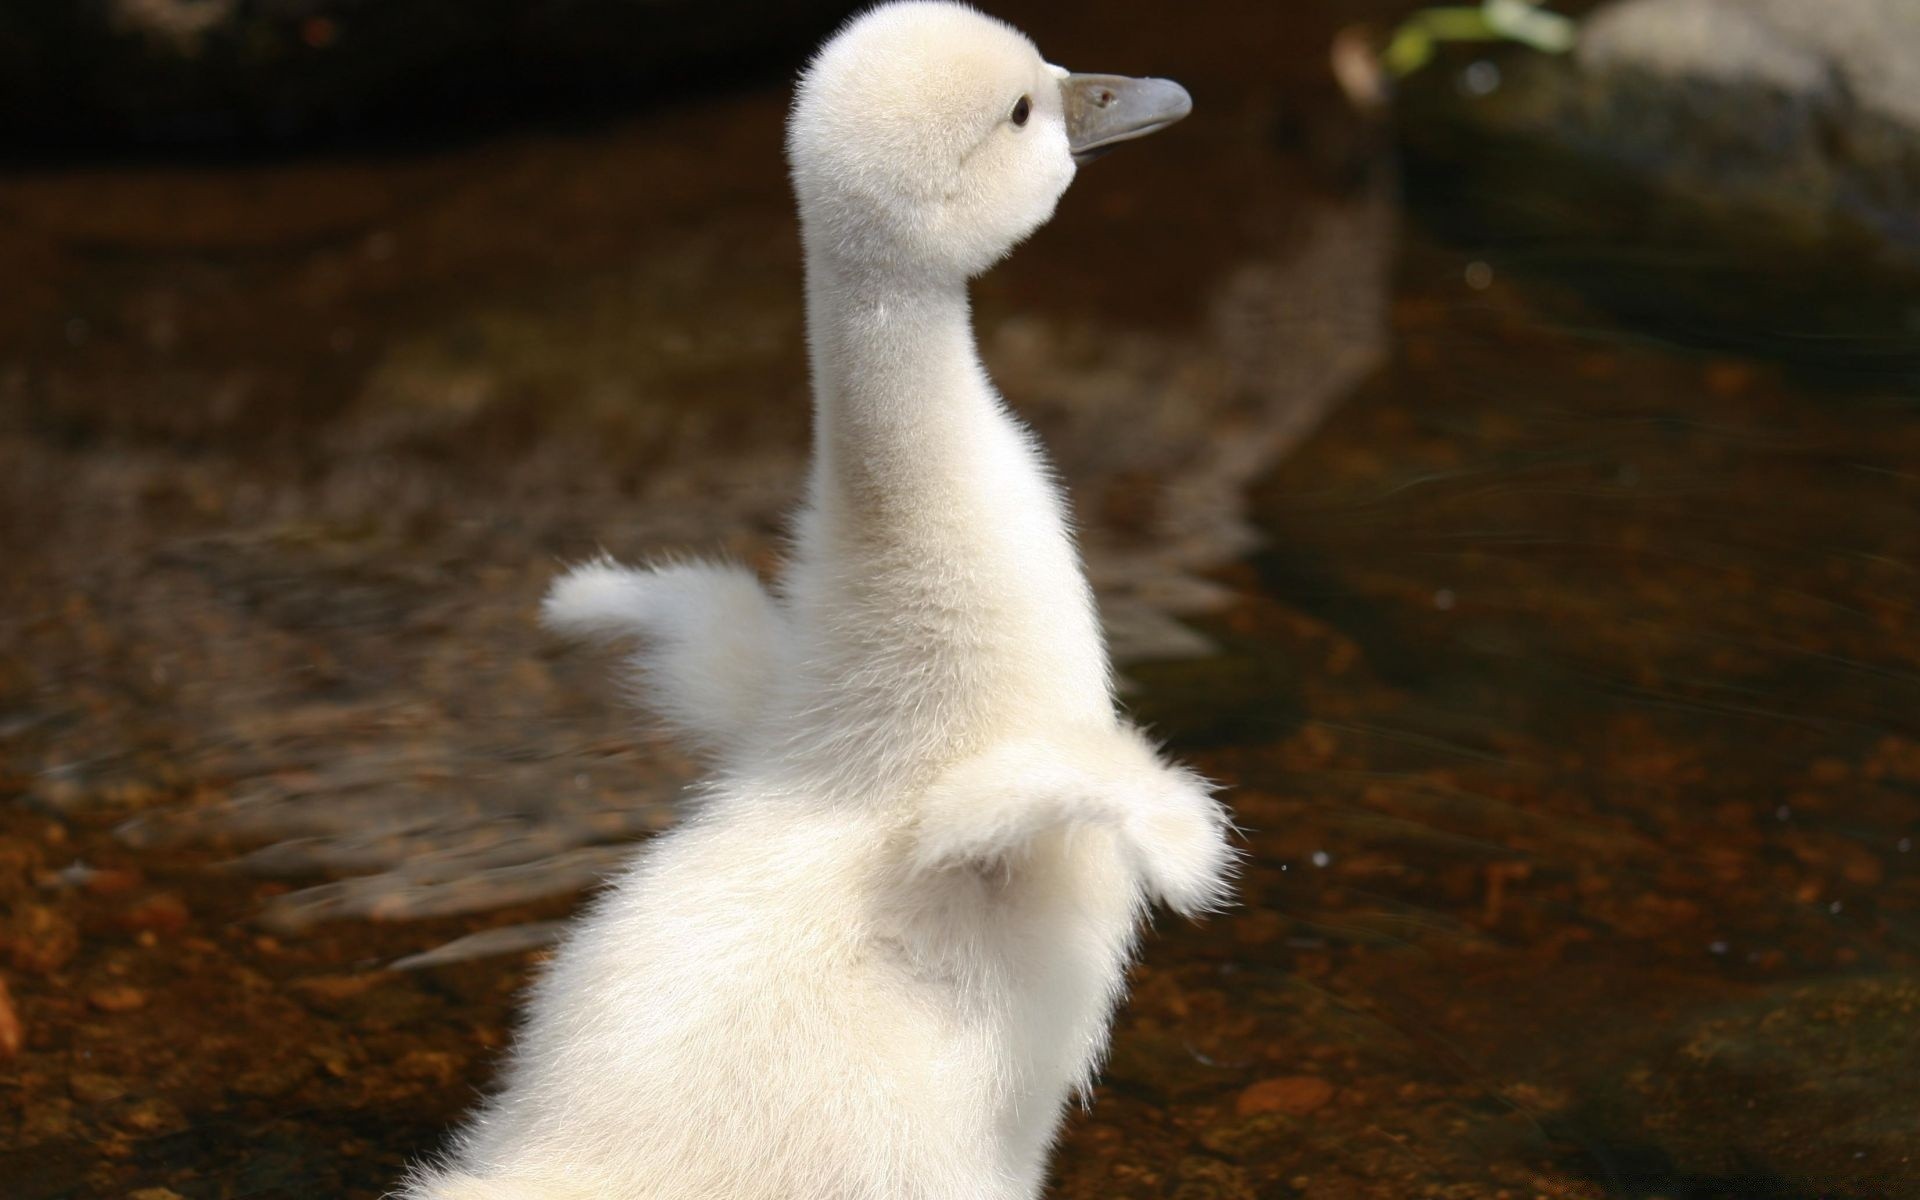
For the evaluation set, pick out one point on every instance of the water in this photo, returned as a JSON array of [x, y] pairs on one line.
[[1565, 676]]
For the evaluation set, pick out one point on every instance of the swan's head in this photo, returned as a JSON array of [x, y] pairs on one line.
[[929, 137]]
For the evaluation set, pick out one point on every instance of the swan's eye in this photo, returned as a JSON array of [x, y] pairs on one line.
[[1022, 111]]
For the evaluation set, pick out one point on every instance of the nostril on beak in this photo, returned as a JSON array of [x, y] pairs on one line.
[[1105, 110]]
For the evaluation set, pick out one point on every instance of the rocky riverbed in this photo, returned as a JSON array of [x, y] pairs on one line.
[[1563, 674]]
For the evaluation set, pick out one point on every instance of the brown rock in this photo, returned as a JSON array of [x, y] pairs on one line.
[[151, 1116], [1198, 1178], [1294, 1095], [47, 1119], [275, 1077], [39, 940], [90, 1088], [433, 1065], [337, 987], [116, 998], [112, 881], [162, 912], [19, 857], [12, 1036]]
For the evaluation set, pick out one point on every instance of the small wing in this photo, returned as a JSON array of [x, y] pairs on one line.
[[711, 639], [990, 808]]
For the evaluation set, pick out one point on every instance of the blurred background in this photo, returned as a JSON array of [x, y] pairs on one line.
[[1493, 433]]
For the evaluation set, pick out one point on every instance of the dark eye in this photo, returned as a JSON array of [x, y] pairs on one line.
[[1022, 111]]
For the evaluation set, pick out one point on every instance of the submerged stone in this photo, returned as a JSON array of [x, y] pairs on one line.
[[1796, 1081], [1810, 113], [1721, 162]]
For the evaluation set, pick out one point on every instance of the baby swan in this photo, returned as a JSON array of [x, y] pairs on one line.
[[883, 952]]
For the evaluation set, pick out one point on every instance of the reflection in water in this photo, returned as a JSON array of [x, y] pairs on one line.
[[1566, 680], [629, 370]]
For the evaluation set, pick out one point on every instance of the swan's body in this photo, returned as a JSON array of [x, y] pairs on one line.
[[881, 954]]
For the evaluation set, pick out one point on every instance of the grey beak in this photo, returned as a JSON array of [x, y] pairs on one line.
[[1105, 110]]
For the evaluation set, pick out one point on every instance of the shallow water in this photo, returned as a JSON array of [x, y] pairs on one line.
[[1565, 678]]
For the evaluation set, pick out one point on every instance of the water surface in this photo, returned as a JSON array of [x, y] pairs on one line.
[[1565, 677]]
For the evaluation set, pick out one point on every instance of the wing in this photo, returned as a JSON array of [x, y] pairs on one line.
[[991, 807], [711, 639]]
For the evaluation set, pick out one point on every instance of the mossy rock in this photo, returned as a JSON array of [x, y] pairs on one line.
[[1743, 171]]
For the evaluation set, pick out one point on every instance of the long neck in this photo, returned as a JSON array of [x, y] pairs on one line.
[[936, 589], [897, 390]]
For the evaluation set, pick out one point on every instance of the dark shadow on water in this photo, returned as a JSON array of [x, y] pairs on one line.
[[1642, 1171]]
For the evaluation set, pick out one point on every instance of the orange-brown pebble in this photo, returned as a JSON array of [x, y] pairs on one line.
[[152, 1116], [1729, 378], [12, 1036], [162, 912], [39, 940], [112, 881], [1294, 1095], [117, 998], [338, 987], [436, 1066]]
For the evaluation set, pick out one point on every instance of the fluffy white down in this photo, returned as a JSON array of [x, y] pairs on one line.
[[882, 950]]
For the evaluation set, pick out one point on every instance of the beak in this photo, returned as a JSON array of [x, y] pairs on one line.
[[1105, 110]]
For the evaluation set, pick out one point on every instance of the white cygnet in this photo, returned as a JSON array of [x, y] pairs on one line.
[[882, 950]]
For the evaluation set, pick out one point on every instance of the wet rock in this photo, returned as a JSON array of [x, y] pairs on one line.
[[1294, 1095], [332, 990], [12, 1034], [430, 1066], [151, 1116], [38, 939], [108, 881], [117, 998], [1250, 1137], [1794, 1084], [1753, 145], [1198, 1178], [1808, 113], [90, 1087], [275, 1077], [163, 912], [20, 858]]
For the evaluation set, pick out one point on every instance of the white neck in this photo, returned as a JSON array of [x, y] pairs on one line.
[[895, 376], [936, 592]]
